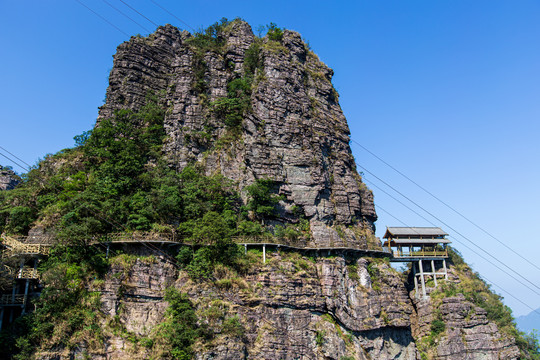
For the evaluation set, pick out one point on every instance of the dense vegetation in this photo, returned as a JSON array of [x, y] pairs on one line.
[[68, 311], [118, 180]]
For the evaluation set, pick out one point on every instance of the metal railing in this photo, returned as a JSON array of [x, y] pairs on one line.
[[19, 246], [17, 299], [420, 253]]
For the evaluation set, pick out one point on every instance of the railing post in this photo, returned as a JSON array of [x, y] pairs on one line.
[[264, 253]]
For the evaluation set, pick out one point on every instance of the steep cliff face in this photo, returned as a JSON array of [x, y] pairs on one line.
[[468, 333], [8, 179], [338, 307], [292, 130], [289, 307]]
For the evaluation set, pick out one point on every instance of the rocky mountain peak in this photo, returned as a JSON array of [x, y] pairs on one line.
[[251, 108]]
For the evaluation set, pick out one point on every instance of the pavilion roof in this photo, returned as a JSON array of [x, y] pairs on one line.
[[417, 232]]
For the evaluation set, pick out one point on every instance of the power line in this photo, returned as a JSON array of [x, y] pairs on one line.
[[398, 220], [13, 161], [429, 221], [170, 13], [442, 222], [132, 8], [21, 160], [102, 18], [486, 279], [120, 11], [446, 204]]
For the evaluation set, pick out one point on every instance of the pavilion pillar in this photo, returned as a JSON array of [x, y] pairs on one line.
[[434, 273], [25, 298], [422, 280], [415, 280], [445, 271]]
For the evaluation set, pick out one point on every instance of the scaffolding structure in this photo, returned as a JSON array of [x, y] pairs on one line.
[[22, 255]]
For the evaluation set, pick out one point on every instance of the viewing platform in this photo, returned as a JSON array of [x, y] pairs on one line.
[[421, 246], [416, 243]]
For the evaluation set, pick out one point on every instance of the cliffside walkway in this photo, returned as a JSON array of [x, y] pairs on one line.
[[36, 245], [247, 241]]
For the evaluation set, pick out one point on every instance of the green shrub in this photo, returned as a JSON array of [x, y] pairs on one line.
[[253, 60], [353, 272], [275, 33], [262, 200], [210, 39], [233, 327], [231, 109], [319, 337], [437, 327], [180, 329]]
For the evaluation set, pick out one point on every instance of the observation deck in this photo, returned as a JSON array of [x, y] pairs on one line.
[[421, 246]]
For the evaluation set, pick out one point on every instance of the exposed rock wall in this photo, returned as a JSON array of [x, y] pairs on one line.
[[468, 334], [329, 306], [8, 179], [295, 306], [292, 306], [295, 132]]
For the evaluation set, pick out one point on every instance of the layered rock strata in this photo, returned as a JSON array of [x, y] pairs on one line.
[[295, 307], [8, 179], [294, 131], [292, 306]]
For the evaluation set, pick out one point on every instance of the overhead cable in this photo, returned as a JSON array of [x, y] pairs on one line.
[[121, 12], [448, 226], [170, 13], [484, 258], [486, 279], [13, 161], [446, 204], [15, 156], [102, 18], [132, 8]]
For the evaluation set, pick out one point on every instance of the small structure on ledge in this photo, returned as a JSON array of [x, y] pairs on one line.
[[422, 246]]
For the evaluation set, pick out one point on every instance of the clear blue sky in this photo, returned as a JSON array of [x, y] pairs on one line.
[[446, 91]]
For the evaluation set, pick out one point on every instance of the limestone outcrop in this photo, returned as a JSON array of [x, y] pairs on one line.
[[295, 305], [8, 179], [293, 130]]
